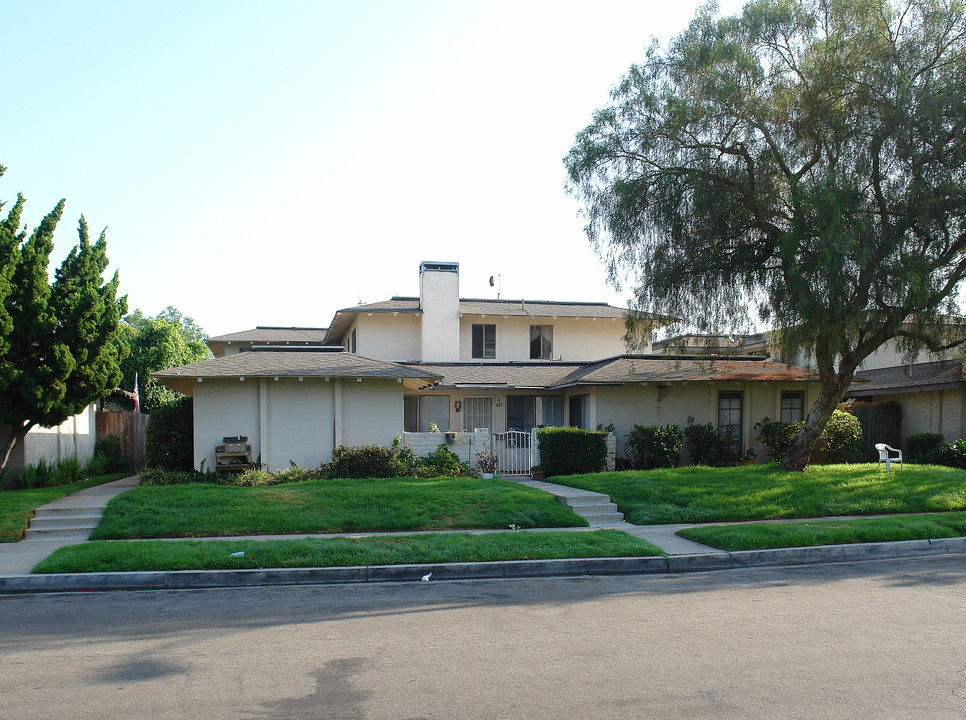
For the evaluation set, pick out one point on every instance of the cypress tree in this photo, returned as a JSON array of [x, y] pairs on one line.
[[60, 347]]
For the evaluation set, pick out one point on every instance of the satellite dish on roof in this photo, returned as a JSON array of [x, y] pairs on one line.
[[491, 281]]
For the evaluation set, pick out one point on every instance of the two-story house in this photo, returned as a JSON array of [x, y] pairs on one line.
[[461, 365]]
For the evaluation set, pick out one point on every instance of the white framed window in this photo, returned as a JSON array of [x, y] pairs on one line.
[[477, 413], [541, 342]]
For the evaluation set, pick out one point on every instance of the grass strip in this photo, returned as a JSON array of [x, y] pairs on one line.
[[759, 536], [110, 556], [762, 492], [370, 505], [17, 506]]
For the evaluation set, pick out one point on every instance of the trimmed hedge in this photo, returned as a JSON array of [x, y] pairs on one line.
[[650, 446], [572, 451]]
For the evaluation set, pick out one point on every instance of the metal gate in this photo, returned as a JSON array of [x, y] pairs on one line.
[[513, 451]]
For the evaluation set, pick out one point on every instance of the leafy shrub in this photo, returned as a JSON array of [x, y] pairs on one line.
[[160, 476], [571, 451], [443, 463], [843, 438], [777, 437], [44, 474], [926, 448], [250, 478], [37, 474], [109, 447], [365, 461], [67, 470], [953, 454], [650, 446], [710, 445], [97, 465], [296, 473], [169, 444]]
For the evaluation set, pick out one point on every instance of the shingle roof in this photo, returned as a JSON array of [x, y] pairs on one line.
[[289, 364], [612, 371], [671, 368], [274, 334], [497, 375], [905, 378]]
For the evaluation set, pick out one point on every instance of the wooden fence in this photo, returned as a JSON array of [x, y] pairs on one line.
[[129, 428]]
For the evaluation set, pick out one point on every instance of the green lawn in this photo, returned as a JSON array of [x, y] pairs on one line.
[[17, 506], [760, 492], [757, 536], [105, 556], [371, 505]]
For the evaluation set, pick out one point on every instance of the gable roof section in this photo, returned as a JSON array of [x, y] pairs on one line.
[[941, 375], [470, 306], [268, 335], [287, 364]]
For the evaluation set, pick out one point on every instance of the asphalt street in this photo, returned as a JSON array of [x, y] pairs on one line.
[[882, 639]]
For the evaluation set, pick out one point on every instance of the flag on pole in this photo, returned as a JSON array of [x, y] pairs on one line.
[[137, 399]]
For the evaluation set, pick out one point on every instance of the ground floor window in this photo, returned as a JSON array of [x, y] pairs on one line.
[[419, 412], [580, 411], [550, 410], [729, 416], [793, 407], [477, 413]]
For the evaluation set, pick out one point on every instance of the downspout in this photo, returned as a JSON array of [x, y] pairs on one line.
[[337, 414], [263, 421]]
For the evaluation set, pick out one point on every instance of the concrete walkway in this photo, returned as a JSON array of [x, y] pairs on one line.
[[81, 510]]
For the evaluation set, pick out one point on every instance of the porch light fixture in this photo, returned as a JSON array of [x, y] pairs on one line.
[[457, 405]]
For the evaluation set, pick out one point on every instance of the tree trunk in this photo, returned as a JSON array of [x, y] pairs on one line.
[[801, 449], [16, 435]]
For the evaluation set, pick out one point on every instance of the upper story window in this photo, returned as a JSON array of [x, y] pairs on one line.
[[351, 346], [541, 342], [484, 341], [793, 407]]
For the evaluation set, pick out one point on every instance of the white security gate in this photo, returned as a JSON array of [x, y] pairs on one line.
[[513, 451]]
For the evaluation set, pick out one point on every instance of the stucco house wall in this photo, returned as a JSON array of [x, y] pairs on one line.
[[300, 422], [372, 411], [224, 408], [395, 338], [574, 339], [678, 402]]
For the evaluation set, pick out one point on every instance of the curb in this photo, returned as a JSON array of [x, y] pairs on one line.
[[703, 562]]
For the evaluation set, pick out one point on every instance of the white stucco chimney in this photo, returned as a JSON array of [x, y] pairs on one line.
[[439, 299]]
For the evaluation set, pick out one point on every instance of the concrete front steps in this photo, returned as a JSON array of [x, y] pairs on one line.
[[63, 522], [595, 508]]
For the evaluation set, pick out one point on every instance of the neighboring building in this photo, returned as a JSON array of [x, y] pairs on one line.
[[75, 437], [381, 369]]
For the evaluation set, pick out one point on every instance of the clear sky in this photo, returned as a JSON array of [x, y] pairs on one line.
[[267, 163]]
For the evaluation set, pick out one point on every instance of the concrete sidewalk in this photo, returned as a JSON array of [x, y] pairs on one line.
[[18, 559]]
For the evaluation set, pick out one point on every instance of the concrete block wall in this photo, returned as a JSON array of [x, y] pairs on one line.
[[465, 447]]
